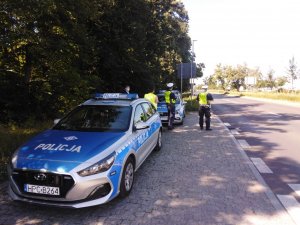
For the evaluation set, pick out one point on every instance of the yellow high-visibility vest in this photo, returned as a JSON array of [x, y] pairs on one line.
[[151, 97], [168, 97], [203, 98]]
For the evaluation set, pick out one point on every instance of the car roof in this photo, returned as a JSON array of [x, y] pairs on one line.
[[173, 91], [115, 99]]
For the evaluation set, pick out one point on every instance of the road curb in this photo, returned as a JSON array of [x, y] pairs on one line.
[[271, 196]]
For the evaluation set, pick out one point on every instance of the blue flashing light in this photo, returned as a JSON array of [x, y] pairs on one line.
[[116, 96]]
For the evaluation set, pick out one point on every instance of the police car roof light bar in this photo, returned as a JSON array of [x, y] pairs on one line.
[[115, 96]]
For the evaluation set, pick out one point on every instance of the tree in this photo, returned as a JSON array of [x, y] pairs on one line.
[[270, 81], [233, 77], [292, 71], [280, 81], [54, 54]]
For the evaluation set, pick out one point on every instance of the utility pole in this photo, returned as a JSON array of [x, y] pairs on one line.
[[192, 61]]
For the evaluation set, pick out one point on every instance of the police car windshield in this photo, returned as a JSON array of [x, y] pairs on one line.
[[96, 118]]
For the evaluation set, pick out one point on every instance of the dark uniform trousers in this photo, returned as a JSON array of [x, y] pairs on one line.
[[204, 111], [171, 114]]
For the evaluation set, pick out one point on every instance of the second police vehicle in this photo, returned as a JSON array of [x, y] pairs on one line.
[[179, 107], [89, 157]]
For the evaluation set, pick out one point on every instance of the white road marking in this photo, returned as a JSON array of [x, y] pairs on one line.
[[274, 114], [243, 143], [261, 165], [292, 206], [227, 124], [234, 132], [296, 188]]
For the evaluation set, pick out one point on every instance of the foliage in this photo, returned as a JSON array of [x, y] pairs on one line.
[[12, 136], [54, 54], [293, 72], [228, 77], [285, 96], [232, 77], [191, 104]]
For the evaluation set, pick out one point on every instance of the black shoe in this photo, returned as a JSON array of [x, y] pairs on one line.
[[209, 129], [201, 128]]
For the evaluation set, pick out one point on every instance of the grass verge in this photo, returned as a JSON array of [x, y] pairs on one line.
[[292, 97], [191, 104], [11, 137]]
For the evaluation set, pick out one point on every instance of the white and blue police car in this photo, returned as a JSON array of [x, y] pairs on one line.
[[179, 107], [89, 157]]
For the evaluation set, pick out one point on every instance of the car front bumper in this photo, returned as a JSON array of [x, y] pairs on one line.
[[82, 192]]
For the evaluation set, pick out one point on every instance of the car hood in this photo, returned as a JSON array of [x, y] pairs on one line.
[[70, 148]]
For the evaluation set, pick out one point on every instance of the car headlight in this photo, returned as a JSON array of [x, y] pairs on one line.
[[98, 167], [14, 159]]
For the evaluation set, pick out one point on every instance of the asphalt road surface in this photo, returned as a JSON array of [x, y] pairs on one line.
[[198, 178], [272, 131]]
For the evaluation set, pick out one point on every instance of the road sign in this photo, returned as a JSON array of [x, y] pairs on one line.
[[184, 70]]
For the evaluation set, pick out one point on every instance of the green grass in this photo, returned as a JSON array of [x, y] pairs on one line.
[[293, 97], [191, 104], [11, 137]]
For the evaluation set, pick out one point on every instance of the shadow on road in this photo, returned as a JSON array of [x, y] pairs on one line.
[[198, 177]]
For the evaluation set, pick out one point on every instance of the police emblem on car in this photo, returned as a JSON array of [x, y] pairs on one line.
[[89, 156]]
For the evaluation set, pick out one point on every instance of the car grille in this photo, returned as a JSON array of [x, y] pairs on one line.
[[64, 182], [163, 114]]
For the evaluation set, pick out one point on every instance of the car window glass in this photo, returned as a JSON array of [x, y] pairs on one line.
[[139, 115], [148, 109], [96, 118], [161, 98]]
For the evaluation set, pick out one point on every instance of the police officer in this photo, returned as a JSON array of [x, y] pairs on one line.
[[170, 99], [126, 89], [204, 99], [152, 97]]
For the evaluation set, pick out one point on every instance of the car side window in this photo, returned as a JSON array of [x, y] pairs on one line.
[[148, 109], [139, 115]]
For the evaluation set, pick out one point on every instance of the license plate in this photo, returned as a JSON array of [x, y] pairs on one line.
[[37, 189], [164, 118]]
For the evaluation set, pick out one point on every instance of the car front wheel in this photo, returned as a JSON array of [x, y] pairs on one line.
[[159, 142], [127, 178]]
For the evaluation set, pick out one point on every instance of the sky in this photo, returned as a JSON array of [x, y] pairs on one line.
[[258, 33]]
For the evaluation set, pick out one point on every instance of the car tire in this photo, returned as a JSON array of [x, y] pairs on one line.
[[127, 178], [159, 141], [181, 122]]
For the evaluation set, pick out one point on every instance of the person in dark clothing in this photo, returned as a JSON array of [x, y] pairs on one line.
[[127, 89], [204, 99], [170, 99]]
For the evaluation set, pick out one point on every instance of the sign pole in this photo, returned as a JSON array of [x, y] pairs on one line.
[[181, 77]]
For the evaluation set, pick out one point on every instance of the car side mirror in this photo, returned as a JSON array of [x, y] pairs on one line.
[[56, 121], [140, 126]]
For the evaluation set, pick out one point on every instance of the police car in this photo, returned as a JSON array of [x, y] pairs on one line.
[[89, 157], [179, 107]]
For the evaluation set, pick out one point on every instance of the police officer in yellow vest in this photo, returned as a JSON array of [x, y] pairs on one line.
[[204, 99], [170, 99], [152, 97]]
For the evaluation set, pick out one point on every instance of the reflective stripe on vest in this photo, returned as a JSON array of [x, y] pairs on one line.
[[151, 97], [168, 97], [203, 98]]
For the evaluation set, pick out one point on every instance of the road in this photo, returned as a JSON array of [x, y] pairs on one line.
[[198, 178], [272, 131]]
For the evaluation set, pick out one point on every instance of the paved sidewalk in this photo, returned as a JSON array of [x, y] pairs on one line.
[[198, 177]]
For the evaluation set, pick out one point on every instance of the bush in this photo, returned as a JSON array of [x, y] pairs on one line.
[[12, 136], [191, 105]]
